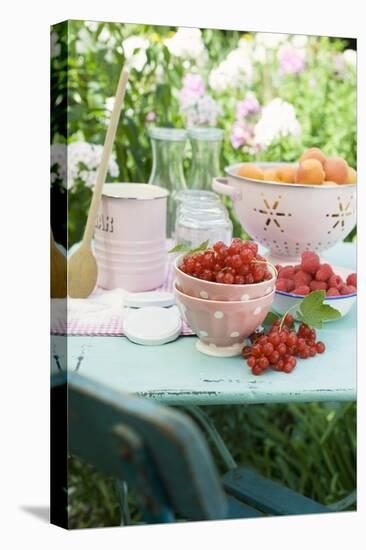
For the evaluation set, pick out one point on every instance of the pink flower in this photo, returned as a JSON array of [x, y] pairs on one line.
[[240, 135], [248, 106], [151, 116], [292, 60], [194, 85]]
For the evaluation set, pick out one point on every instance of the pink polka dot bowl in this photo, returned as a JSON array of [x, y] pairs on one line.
[[208, 290], [222, 326]]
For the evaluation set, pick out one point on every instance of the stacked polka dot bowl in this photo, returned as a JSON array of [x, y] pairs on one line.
[[221, 315]]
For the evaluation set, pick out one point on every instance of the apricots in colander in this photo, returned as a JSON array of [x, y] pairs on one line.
[[352, 175], [313, 153], [270, 175], [286, 173], [310, 171], [250, 171], [336, 169]]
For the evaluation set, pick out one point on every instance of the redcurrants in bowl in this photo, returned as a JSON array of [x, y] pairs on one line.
[[229, 273]]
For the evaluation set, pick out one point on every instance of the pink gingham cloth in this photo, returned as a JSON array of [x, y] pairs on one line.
[[102, 313]]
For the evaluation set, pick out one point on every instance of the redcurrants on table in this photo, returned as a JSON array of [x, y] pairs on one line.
[[281, 346], [237, 264]]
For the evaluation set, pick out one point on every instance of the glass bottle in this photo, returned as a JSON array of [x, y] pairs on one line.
[[168, 145], [206, 145], [201, 216]]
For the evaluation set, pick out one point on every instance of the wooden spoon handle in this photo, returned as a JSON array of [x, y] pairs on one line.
[[103, 167]]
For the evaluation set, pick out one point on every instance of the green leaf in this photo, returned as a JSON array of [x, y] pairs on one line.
[[200, 248], [314, 312], [179, 248], [271, 318], [183, 247]]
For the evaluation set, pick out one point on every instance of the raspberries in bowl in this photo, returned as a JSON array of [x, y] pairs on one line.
[[296, 281]]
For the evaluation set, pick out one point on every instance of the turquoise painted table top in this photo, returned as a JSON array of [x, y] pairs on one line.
[[176, 373]]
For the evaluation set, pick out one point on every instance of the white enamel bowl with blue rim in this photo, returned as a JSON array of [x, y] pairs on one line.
[[283, 301]]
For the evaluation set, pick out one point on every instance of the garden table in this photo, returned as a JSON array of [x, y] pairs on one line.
[[177, 374]]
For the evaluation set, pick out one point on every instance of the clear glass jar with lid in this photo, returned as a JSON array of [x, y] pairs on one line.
[[206, 146], [168, 147], [201, 216]]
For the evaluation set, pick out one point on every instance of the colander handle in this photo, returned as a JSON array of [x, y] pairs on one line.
[[221, 185]]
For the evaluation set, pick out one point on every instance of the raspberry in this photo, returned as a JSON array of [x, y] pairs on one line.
[[290, 285], [310, 262], [281, 285], [352, 280], [239, 280], [302, 278], [335, 281], [347, 289], [288, 272], [302, 290], [249, 279], [332, 291], [318, 285], [324, 272]]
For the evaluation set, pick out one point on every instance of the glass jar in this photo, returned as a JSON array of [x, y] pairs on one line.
[[206, 145], [168, 145], [201, 216]]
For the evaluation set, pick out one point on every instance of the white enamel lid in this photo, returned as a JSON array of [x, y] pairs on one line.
[[152, 326], [138, 191], [149, 298]]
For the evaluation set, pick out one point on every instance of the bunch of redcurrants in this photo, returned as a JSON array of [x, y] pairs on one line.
[[280, 347]]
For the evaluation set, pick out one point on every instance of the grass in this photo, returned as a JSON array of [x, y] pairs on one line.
[[310, 447]]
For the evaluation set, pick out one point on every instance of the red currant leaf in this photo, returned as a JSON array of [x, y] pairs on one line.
[[270, 318], [313, 312], [182, 247]]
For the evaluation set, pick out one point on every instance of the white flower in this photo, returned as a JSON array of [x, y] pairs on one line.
[[92, 25], [84, 42], [269, 39], [259, 53], [278, 119], [233, 72], [135, 60], [350, 57], [186, 43], [300, 40], [82, 160]]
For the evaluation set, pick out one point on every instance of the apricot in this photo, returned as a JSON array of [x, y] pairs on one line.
[[352, 175], [270, 175], [336, 169], [250, 171], [310, 171], [286, 174], [313, 153]]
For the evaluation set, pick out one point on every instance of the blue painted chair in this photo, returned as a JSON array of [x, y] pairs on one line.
[[163, 457]]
